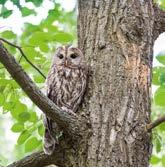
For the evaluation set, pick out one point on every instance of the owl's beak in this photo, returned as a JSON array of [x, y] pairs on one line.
[[66, 63]]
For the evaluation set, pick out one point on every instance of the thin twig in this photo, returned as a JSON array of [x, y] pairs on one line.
[[156, 123], [23, 55], [20, 59]]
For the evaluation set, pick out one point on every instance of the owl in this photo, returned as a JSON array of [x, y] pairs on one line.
[[66, 83]]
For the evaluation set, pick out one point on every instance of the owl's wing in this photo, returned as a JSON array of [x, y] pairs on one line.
[[49, 141], [49, 81], [77, 99], [50, 126]]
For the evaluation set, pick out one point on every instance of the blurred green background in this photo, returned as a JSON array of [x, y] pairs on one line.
[[39, 27]]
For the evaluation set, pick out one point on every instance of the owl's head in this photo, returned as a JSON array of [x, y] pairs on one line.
[[69, 57]]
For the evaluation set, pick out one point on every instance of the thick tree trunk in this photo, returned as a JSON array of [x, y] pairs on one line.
[[117, 40]]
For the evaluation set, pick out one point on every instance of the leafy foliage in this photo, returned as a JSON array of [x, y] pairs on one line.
[[26, 11], [38, 42], [161, 4], [158, 109], [5, 12], [8, 35], [18, 127]]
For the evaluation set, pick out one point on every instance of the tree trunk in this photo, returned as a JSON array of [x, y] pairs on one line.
[[117, 40]]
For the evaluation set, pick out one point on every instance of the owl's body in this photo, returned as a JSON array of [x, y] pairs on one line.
[[66, 83]]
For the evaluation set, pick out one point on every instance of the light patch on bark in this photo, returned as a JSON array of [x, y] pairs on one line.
[[124, 108], [113, 135]]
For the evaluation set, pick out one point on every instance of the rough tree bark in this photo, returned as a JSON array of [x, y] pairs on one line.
[[117, 39]]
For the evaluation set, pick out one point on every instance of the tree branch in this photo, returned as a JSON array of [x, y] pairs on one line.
[[23, 55], [155, 123], [69, 123], [39, 159], [159, 20]]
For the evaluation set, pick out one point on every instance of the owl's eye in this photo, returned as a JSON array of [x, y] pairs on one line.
[[73, 56], [60, 56]]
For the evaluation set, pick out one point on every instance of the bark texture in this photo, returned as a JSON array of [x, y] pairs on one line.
[[117, 39]]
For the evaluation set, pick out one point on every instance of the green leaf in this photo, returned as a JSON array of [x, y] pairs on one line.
[[30, 52], [23, 117], [40, 37], [23, 137], [163, 160], [29, 30], [161, 57], [161, 127], [155, 76], [3, 2], [160, 96], [18, 109], [33, 116], [26, 11], [4, 82], [54, 14], [8, 34], [41, 130], [39, 79], [33, 127], [35, 2], [2, 99], [49, 27], [44, 47], [63, 37], [162, 78], [16, 2], [158, 145], [17, 127], [31, 144], [11, 49], [8, 106], [162, 4], [158, 75], [5, 12], [154, 160]]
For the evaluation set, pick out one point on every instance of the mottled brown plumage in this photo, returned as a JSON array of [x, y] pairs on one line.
[[66, 83]]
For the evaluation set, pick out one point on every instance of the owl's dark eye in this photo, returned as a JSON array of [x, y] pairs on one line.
[[60, 56], [73, 56]]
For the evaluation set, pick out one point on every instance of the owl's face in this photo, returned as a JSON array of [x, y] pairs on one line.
[[69, 57]]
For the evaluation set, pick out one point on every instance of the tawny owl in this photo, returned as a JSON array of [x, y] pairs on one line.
[[66, 83]]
